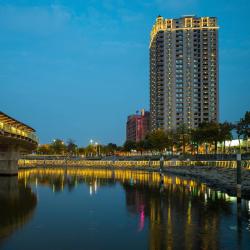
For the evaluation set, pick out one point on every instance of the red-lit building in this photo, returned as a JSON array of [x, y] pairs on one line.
[[138, 126]]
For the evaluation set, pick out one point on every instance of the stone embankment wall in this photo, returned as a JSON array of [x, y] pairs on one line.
[[222, 178]]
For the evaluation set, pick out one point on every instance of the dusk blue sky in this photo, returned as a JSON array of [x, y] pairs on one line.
[[76, 69]]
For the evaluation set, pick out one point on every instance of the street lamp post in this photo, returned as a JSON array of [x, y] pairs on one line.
[[96, 145], [97, 148]]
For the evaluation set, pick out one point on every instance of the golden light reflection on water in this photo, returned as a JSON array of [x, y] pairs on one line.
[[163, 223], [119, 175], [62, 175], [172, 212], [177, 211]]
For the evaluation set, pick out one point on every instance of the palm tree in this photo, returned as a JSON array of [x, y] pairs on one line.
[[225, 133], [239, 130], [246, 127], [197, 138], [208, 132]]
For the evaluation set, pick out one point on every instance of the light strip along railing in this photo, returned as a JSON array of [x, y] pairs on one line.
[[15, 131], [143, 164]]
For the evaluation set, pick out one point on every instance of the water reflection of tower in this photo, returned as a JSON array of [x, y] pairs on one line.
[[178, 217], [141, 196]]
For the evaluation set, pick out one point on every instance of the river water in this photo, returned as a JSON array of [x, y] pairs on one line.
[[104, 209]]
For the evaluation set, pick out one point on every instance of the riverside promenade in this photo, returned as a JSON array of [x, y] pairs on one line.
[[218, 174]]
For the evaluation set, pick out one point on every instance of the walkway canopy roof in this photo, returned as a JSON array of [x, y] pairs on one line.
[[13, 122]]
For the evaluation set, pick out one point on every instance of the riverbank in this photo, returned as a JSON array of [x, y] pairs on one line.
[[223, 179]]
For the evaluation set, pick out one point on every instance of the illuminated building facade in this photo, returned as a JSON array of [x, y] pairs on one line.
[[138, 126], [183, 72]]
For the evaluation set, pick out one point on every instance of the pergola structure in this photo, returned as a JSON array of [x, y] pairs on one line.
[[15, 138], [6, 119], [14, 128]]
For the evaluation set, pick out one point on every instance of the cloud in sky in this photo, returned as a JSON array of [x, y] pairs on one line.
[[174, 4], [39, 20], [53, 18]]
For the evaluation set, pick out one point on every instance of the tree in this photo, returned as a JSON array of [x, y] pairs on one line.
[[239, 131], [44, 149], [158, 140], [110, 148], [58, 147], [140, 146], [197, 138], [183, 134], [246, 125], [146, 143], [225, 133], [129, 145], [81, 151], [90, 150], [171, 139], [207, 132], [71, 147], [243, 128]]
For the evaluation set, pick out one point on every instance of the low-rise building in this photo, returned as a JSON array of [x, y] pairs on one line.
[[138, 126]]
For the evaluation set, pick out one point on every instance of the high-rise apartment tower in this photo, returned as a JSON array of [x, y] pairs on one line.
[[183, 72]]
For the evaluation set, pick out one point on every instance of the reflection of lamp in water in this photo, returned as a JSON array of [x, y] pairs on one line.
[[95, 186], [91, 187], [205, 198], [90, 190], [131, 181]]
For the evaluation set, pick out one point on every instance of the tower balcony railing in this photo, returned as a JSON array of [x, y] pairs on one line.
[[19, 132]]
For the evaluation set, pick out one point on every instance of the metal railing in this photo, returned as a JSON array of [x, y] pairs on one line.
[[15, 131], [131, 164]]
